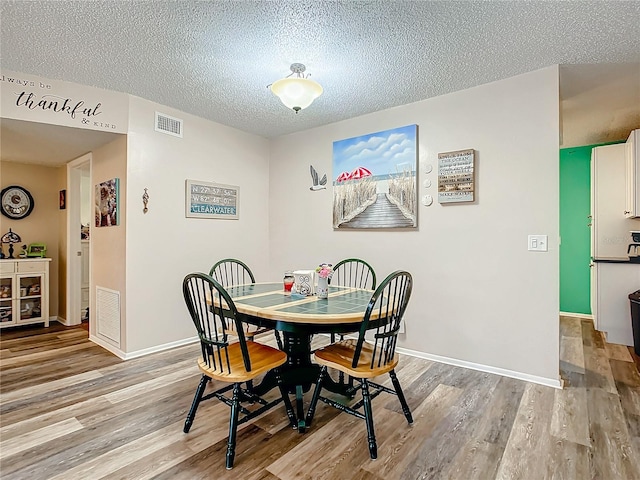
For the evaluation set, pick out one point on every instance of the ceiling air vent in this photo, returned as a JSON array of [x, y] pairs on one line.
[[168, 125]]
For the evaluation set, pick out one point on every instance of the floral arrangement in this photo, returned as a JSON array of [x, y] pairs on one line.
[[324, 270]]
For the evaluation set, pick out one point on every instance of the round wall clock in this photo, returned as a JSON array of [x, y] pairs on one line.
[[16, 202]]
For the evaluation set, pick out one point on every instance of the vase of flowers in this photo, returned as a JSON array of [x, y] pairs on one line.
[[324, 271]]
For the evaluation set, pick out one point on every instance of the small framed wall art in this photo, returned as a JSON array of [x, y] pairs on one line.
[[456, 176], [212, 200], [63, 199], [107, 203]]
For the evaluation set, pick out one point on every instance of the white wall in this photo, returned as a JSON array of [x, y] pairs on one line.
[[479, 295], [162, 245]]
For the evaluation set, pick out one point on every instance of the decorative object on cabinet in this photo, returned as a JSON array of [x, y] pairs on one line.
[[380, 191], [23, 253], [63, 199], [212, 200], [456, 182], [24, 292], [107, 203], [145, 200], [10, 237], [37, 250], [16, 202]]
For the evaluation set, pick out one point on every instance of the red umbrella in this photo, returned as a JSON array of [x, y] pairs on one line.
[[343, 177], [360, 172]]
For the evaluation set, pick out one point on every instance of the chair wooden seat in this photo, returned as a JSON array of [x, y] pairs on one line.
[[263, 358], [340, 355]]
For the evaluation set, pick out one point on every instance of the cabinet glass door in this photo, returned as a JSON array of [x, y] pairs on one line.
[[30, 298], [6, 299]]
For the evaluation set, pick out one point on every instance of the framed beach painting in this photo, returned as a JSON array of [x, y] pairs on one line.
[[374, 180]]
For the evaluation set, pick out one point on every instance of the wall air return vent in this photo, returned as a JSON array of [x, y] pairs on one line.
[[168, 125], [108, 314]]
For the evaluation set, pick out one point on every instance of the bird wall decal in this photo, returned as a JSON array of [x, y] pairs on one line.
[[317, 185]]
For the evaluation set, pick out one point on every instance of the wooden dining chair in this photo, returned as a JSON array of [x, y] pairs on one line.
[[234, 363], [364, 360], [230, 271]]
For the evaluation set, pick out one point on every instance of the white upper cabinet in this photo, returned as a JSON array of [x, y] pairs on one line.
[[610, 229], [632, 175]]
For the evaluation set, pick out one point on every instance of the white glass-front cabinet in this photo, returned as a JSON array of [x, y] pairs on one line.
[[24, 291]]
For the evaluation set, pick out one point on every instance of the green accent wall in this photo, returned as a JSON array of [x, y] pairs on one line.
[[575, 246]]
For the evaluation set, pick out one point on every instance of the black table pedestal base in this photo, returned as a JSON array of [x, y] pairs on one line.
[[299, 373]]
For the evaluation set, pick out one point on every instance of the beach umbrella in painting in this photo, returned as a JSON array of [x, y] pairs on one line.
[[360, 172], [343, 177]]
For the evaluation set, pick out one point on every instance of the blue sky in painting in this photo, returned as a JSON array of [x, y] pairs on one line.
[[380, 152]]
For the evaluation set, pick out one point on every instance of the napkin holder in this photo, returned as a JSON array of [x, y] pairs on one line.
[[304, 282]]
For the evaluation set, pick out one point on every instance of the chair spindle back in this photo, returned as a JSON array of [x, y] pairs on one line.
[[353, 272], [384, 315], [230, 271]]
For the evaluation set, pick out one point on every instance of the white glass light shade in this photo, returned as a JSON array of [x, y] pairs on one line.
[[296, 93]]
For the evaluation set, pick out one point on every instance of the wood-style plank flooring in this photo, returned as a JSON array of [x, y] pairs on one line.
[[71, 410]]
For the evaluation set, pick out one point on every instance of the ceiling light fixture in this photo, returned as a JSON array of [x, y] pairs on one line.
[[296, 92]]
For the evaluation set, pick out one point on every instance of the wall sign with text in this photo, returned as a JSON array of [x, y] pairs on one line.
[[212, 200], [456, 181], [36, 99]]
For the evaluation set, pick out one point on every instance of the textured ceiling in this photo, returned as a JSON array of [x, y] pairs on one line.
[[215, 59]]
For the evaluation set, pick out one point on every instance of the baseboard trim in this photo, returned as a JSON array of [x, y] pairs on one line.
[[141, 353], [160, 348], [549, 382], [107, 346], [586, 316], [61, 320]]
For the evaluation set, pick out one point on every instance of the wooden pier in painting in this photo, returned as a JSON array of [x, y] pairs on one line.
[[380, 214]]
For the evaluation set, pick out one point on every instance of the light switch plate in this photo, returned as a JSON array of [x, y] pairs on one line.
[[538, 243]]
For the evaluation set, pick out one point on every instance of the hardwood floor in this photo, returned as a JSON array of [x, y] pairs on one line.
[[71, 410]]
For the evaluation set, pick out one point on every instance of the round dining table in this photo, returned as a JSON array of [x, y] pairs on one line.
[[298, 318]]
